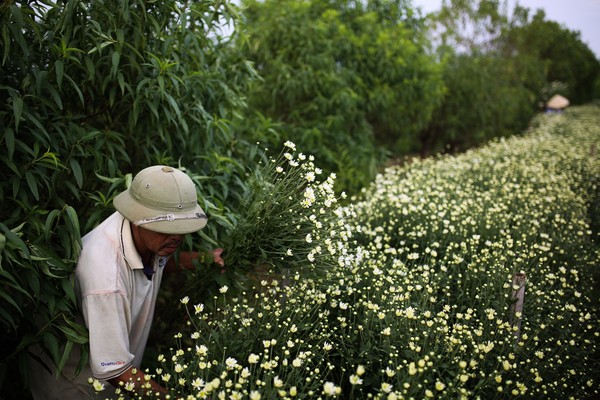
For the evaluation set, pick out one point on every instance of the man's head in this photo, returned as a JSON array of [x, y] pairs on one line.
[[162, 199], [149, 242]]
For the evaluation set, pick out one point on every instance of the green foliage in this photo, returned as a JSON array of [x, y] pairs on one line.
[[486, 97], [277, 229], [491, 91], [91, 92], [342, 78], [500, 68], [597, 88], [566, 58], [36, 279], [468, 26]]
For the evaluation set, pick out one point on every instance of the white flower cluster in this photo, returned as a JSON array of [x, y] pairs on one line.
[[420, 301]]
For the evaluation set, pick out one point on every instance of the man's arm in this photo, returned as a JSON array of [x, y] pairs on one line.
[[142, 383], [186, 260]]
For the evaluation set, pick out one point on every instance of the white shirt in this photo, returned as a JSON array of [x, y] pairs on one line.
[[117, 301], [116, 297]]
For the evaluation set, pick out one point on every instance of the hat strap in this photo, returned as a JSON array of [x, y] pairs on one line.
[[168, 217]]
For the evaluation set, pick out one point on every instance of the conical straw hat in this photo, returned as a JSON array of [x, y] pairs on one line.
[[557, 102]]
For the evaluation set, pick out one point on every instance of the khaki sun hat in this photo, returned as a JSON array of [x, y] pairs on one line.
[[162, 199], [557, 102]]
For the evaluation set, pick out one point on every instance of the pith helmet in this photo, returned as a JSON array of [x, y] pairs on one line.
[[162, 199], [557, 102]]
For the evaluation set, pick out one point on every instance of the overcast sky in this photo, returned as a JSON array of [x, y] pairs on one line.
[[576, 15]]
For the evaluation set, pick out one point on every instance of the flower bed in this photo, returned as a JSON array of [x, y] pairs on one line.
[[469, 276]]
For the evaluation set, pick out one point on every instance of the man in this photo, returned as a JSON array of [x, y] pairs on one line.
[[117, 279]]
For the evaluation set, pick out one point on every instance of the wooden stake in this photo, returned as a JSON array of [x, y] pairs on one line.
[[518, 298]]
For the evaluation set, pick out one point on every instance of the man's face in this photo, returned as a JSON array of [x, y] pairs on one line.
[[161, 244]]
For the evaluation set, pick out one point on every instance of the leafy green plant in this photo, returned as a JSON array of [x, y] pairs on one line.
[[287, 223], [499, 69], [567, 59], [35, 279], [341, 78], [91, 93]]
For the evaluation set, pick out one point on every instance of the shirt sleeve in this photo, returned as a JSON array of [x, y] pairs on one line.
[[107, 317]]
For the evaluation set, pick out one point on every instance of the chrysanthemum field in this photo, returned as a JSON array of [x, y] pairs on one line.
[[467, 276]]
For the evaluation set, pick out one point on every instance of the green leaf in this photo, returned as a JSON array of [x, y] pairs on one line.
[[112, 94], [18, 29], [33, 119], [121, 80], [8, 163], [128, 180], [11, 301], [76, 87], [26, 341], [12, 282], [99, 47], [32, 184], [58, 263], [116, 56], [17, 111], [59, 68], [80, 329], [51, 303], [4, 316], [74, 232], [83, 360], [55, 96], [17, 15], [89, 66], [76, 169], [14, 239], [68, 287], [73, 335], [65, 356], [6, 41], [51, 343], [34, 283], [52, 216], [207, 239], [9, 138], [174, 105], [73, 219], [161, 83]]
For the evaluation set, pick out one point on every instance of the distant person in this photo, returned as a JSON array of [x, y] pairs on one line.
[[117, 280]]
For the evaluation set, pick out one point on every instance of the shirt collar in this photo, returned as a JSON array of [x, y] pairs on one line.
[[132, 257]]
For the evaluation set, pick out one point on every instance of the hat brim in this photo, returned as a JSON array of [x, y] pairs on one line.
[[176, 222]]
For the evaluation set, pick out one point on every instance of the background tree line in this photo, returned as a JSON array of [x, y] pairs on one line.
[[93, 91]]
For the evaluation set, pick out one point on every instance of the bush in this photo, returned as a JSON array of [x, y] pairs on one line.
[[345, 82], [92, 92]]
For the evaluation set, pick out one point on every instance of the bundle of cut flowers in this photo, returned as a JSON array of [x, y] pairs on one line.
[[289, 221]]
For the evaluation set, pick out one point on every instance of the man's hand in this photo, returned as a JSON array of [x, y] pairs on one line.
[[187, 258], [216, 253]]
